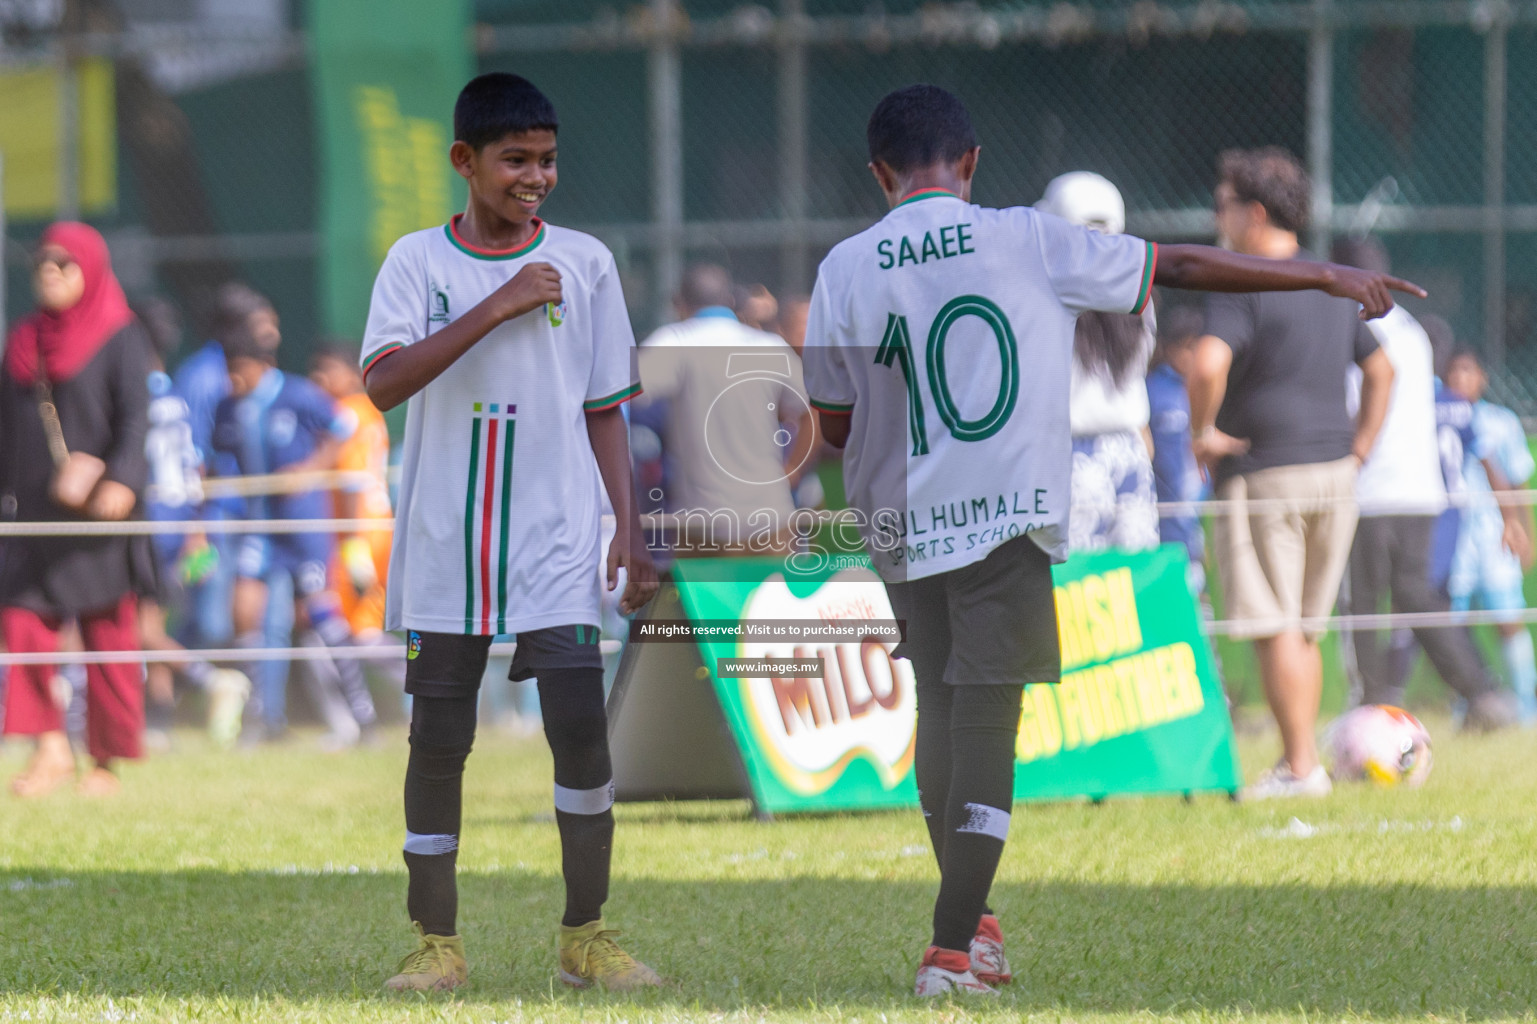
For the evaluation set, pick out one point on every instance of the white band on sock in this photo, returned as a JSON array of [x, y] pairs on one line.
[[430, 844], [584, 801], [986, 821]]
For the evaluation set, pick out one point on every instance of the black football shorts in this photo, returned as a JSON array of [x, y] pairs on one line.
[[452, 664], [991, 622]]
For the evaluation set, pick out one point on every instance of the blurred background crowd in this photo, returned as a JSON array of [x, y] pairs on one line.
[[108, 417], [241, 160]]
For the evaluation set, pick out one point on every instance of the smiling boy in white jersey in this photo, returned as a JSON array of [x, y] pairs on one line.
[[972, 458], [510, 339]]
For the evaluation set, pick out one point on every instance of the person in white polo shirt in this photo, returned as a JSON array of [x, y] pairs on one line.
[[1400, 492], [738, 427]]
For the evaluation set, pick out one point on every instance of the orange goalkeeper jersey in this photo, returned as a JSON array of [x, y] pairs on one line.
[[366, 451]]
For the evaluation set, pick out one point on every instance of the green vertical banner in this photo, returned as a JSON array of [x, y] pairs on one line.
[[386, 76], [1140, 708]]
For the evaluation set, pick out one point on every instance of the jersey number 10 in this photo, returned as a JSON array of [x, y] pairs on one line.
[[897, 346]]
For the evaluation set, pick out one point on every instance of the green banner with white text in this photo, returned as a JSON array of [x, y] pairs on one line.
[[386, 73], [1139, 709]]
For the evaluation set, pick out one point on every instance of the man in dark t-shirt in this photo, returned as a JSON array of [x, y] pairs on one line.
[[1286, 387], [1269, 422]]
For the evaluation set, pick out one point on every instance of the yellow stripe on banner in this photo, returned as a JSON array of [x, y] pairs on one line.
[[29, 138]]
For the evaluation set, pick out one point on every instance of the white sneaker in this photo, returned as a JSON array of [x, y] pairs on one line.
[[1280, 782], [228, 690], [988, 962], [947, 971]]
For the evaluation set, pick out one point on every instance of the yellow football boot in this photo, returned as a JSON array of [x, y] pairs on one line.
[[436, 965], [590, 956]]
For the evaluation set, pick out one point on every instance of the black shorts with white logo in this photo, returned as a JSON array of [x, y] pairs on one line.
[[991, 622], [452, 664]]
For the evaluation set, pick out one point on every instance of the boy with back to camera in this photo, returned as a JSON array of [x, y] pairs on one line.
[[510, 341], [938, 353]]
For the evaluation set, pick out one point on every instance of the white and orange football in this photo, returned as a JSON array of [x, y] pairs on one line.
[[1379, 742]]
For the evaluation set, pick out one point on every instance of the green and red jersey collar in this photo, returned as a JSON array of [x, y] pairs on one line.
[[452, 230], [919, 194]]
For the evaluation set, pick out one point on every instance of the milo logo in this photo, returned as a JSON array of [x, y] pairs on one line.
[[864, 705]]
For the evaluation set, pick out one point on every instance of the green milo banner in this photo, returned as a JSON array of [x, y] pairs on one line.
[[1139, 708], [386, 76]]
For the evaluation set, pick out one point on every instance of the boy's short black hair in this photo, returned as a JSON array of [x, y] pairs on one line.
[[337, 350], [234, 304], [1464, 352], [240, 342], [1272, 177], [162, 321], [498, 104], [918, 126]]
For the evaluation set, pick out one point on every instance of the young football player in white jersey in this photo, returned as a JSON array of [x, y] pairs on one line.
[[510, 341], [938, 354]]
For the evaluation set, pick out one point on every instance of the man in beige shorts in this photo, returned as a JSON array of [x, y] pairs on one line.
[[1269, 422]]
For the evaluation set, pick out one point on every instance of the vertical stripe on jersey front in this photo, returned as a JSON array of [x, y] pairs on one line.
[[469, 525], [487, 523], [487, 503], [501, 601]]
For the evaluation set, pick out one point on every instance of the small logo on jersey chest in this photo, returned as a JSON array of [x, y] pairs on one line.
[[438, 305], [556, 311], [282, 427]]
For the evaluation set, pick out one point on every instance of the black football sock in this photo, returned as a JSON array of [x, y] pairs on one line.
[[933, 765], [252, 640], [932, 759], [198, 674], [442, 732], [335, 633], [576, 726], [984, 723]]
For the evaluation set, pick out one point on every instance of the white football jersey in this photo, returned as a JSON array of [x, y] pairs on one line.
[[497, 524], [950, 326]]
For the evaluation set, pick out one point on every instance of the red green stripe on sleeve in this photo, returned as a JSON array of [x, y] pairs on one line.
[[373, 360], [610, 401], [1145, 290], [833, 408]]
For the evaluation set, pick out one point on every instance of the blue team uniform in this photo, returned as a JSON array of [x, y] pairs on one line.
[[1175, 473], [1456, 443], [1482, 570], [175, 467], [281, 422], [202, 381]]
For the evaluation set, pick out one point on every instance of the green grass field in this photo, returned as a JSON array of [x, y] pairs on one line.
[[269, 887]]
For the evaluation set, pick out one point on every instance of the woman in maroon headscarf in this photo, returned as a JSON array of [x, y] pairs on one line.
[[73, 414]]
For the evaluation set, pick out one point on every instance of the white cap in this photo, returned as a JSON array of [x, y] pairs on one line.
[[1086, 199]]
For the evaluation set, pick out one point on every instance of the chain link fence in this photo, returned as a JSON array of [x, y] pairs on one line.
[[735, 132], [1419, 114]]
